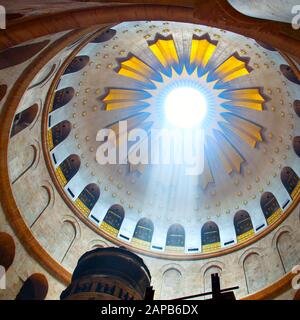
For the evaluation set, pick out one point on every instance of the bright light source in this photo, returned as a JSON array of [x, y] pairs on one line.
[[185, 107]]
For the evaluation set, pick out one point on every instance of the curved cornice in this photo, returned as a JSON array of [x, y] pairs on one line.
[[215, 13]]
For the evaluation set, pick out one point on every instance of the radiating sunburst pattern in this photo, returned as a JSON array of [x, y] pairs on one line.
[[224, 121]]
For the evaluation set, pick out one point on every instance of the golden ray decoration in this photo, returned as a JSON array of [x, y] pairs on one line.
[[232, 68], [250, 98], [202, 49], [164, 49], [246, 130], [231, 157], [206, 177], [198, 65], [123, 98], [132, 123], [135, 68]]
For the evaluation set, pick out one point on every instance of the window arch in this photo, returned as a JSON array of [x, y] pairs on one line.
[[296, 145], [26, 159], [210, 237], [175, 238], [88, 198], [58, 133], [143, 233], [62, 97], [255, 273], [266, 46], [207, 278], [34, 288], [64, 240], [105, 36], [171, 285], [243, 226], [290, 181], [43, 77], [270, 207], [77, 64], [287, 251], [296, 105], [289, 73], [67, 169], [16, 55], [96, 243], [45, 196], [23, 119], [113, 219]]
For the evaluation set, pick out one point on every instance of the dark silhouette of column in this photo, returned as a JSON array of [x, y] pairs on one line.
[[109, 274]]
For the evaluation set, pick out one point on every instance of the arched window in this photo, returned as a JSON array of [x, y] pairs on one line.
[[296, 105], [7, 250], [296, 145], [58, 133], [67, 169], [207, 279], [64, 240], [175, 238], [243, 226], [105, 36], [143, 233], [113, 219], [289, 73], [23, 119], [171, 285], [43, 77], [270, 207], [94, 244], [40, 202], [254, 271], [34, 288], [88, 198], [19, 54], [23, 162], [287, 251], [62, 97], [210, 237], [266, 46], [77, 64], [290, 181]]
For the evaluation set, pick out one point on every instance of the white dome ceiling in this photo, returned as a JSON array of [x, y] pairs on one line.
[[248, 129]]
